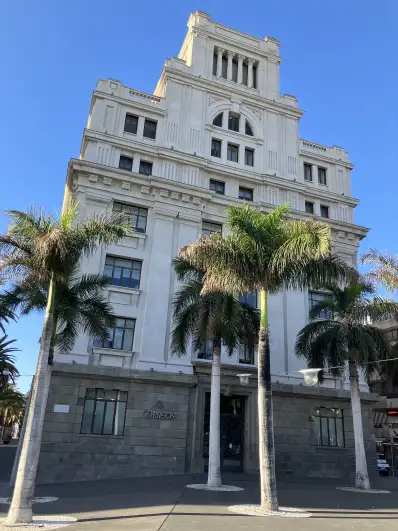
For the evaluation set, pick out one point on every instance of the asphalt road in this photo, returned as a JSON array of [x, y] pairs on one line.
[[7, 455]]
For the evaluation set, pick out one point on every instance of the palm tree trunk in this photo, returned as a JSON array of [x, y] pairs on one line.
[[269, 499], [21, 506], [361, 467], [53, 340], [214, 473]]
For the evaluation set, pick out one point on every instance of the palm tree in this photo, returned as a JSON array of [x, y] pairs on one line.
[[348, 336], [8, 371], [12, 406], [266, 252], [217, 317], [384, 268], [6, 314], [39, 246], [79, 305]]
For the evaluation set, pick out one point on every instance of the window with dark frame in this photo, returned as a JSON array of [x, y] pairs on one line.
[[224, 67], [307, 172], [125, 163], [209, 227], [254, 76], [104, 412], [309, 207], [324, 211], [120, 336], [322, 175], [246, 194], [123, 272], [234, 70], [218, 120], [216, 148], [248, 129], [233, 152], [150, 128], [233, 121], [314, 298], [245, 74], [249, 157], [329, 427], [206, 351], [145, 167], [217, 186], [137, 215], [131, 124], [214, 64]]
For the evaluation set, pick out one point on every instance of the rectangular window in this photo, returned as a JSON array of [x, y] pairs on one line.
[[209, 228], [150, 128], [322, 175], [233, 122], [206, 352], [234, 70], [214, 64], [245, 73], [216, 148], [245, 193], [120, 336], [246, 355], [145, 167], [309, 207], [123, 272], [131, 124], [224, 67], [217, 186], [233, 153], [254, 76], [137, 215], [249, 298], [329, 427], [314, 297], [125, 163], [249, 157], [104, 412], [307, 172], [324, 211]]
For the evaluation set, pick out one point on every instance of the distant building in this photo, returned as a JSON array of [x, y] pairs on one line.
[[216, 132]]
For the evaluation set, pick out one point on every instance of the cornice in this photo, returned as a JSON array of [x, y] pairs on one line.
[[319, 156], [132, 103]]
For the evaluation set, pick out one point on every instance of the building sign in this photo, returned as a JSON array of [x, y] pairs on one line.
[[159, 414]]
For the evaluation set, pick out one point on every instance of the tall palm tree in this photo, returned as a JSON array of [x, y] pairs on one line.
[[217, 317], [79, 305], [8, 370], [266, 252], [40, 246], [12, 406], [348, 336]]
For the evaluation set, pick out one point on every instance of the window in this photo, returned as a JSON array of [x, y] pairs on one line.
[[120, 336], [309, 207], [123, 272], [324, 211], [234, 70], [217, 186], [206, 352], [216, 148], [150, 128], [137, 215], [145, 167], [249, 298], [131, 124], [233, 121], [104, 412], [322, 175], [246, 355], [248, 129], [224, 67], [307, 172], [233, 152], [314, 297], [254, 76], [329, 427], [125, 163], [245, 193], [245, 74], [218, 120], [214, 64], [209, 228], [249, 157]]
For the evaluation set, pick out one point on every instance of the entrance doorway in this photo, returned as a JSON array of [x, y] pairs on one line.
[[231, 432]]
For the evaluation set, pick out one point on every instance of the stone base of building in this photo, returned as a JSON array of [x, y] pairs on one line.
[[165, 428]]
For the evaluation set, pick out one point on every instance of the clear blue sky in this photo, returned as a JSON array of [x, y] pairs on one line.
[[339, 60]]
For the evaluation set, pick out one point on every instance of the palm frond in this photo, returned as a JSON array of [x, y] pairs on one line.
[[384, 268]]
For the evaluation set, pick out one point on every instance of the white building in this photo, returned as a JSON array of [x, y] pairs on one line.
[[215, 132]]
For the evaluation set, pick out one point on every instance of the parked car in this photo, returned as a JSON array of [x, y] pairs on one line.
[[383, 467]]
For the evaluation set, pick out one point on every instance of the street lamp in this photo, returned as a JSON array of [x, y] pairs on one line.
[[311, 376], [244, 378]]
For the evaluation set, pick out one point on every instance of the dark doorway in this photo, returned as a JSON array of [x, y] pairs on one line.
[[231, 432]]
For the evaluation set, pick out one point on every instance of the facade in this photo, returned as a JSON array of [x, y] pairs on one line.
[[215, 132]]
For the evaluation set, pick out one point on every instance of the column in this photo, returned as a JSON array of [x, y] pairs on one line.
[[220, 52], [240, 68], [229, 68], [250, 63], [314, 173]]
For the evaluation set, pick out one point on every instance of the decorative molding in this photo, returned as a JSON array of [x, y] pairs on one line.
[[126, 186], [93, 178], [107, 181], [145, 190]]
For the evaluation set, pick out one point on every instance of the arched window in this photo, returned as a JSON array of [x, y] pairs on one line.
[[218, 120], [233, 121], [248, 129]]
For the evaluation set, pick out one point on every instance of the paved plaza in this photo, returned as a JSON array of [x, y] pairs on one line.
[[153, 504]]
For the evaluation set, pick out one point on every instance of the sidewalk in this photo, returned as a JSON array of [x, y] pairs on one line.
[[151, 504]]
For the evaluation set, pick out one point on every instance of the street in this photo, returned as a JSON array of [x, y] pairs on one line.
[[7, 455]]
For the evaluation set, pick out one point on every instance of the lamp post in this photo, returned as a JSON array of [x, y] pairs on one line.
[[311, 376], [244, 378]]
